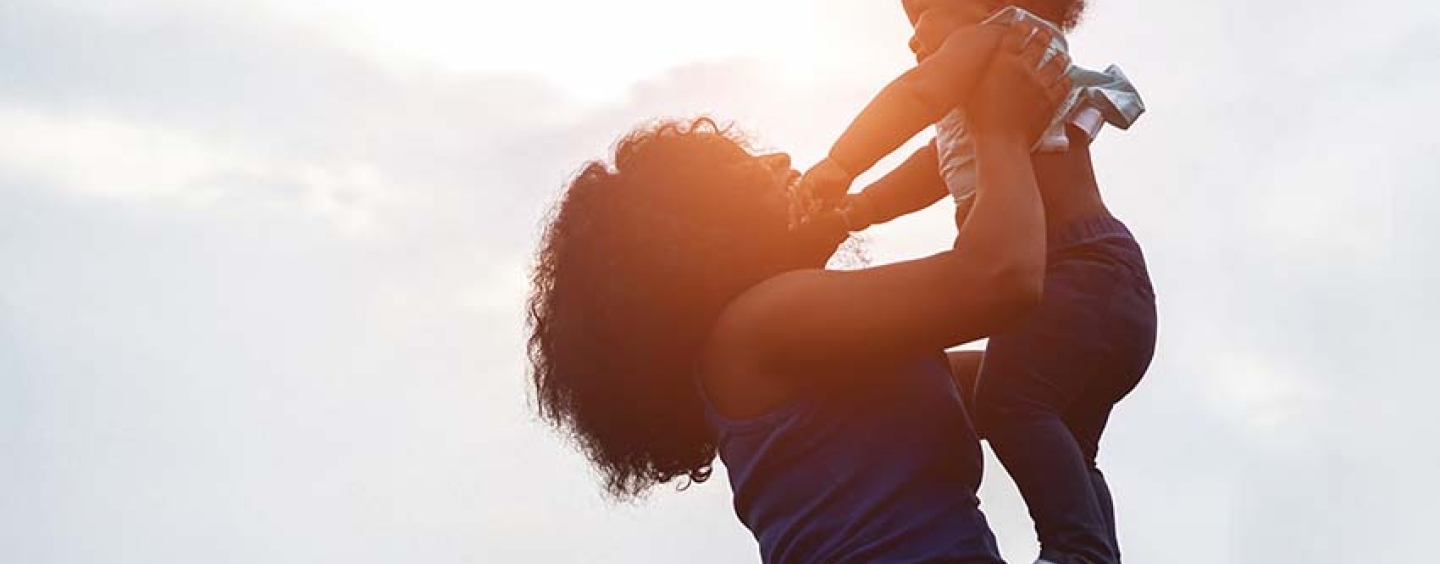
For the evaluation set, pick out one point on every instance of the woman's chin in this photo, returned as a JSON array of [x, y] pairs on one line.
[[816, 246]]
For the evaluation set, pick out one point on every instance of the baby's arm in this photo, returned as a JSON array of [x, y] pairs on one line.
[[911, 187], [910, 103]]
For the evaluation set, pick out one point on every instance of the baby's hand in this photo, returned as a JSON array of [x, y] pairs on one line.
[[825, 183]]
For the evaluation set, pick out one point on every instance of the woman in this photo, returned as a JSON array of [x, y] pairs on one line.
[[678, 311]]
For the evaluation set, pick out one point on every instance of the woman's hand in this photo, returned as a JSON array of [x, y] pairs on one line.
[[1018, 97], [935, 24], [931, 30]]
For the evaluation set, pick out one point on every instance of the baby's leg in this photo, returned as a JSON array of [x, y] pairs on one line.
[[1131, 329], [1086, 420], [1030, 378], [1046, 388]]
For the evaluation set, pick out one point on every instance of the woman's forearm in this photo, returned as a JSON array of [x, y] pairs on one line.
[[1006, 227]]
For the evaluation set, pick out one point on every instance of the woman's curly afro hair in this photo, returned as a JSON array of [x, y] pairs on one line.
[[637, 261]]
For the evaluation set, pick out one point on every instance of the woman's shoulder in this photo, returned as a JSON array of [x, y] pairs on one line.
[[746, 325], [740, 375]]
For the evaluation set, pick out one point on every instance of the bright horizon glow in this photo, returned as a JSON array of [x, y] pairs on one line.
[[568, 46]]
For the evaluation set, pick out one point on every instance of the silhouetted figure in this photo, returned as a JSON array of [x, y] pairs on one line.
[[681, 309]]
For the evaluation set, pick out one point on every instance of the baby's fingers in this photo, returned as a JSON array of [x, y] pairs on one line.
[[816, 185], [806, 189]]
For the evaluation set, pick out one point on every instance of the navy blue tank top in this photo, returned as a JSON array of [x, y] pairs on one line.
[[881, 470]]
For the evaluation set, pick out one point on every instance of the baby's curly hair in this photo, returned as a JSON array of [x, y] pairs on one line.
[[1064, 13], [635, 264]]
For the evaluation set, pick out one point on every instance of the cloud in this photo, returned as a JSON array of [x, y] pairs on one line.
[[109, 158], [210, 364]]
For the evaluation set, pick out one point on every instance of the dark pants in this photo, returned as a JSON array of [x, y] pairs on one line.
[[1046, 387]]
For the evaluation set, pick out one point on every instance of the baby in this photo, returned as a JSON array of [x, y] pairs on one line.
[[1043, 391]]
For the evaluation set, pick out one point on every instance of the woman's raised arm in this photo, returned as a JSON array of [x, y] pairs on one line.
[[992, 276]]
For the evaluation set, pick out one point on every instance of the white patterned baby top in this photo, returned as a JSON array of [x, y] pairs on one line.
[[1097, 98]]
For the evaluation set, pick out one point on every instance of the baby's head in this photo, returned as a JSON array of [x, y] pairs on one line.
[[1064, 13]]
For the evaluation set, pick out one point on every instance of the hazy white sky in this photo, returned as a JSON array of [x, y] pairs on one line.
[[261, 266]]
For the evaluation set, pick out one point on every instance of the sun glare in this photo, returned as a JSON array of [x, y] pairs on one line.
[[591, 49]]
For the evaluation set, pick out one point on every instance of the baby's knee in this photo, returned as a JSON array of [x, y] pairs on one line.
[[996, 411]]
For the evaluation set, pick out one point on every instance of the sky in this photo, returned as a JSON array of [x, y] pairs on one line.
[[262, 265]]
